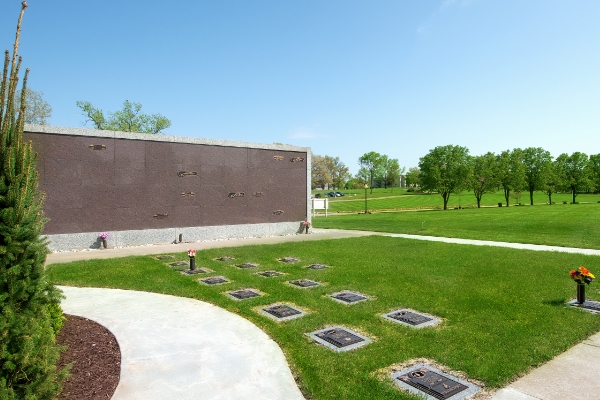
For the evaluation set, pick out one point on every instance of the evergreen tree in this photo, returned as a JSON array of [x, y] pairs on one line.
[[28, 353]]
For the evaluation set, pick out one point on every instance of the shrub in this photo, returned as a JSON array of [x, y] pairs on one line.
[[28, 353]]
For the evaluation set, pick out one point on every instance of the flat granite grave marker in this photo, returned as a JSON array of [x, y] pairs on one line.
[[304, 283], [432, 383], [214, 280], [270, 274], [281, 312], [289, 260], [347, 297], [243, 294], [195, 271], [318, 266], [180, 264], [225, 258], [165, 257], [411, 318], [247, 265], [339, 338], [588, 305]]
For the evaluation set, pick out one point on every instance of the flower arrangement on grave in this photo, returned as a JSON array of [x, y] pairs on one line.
[[192, 255], [581, 276], [103, 236], [306, 225]]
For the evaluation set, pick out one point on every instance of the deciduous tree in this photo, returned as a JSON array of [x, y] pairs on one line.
[[510, 172], [483, 176], [413, 177], [536, 162], [574, 172], [446, 170], [371, 163], [319, 173], [128, 119], [594, 168]]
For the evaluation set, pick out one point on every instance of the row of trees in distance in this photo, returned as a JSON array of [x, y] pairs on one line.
[[450, 169], [375, 170]]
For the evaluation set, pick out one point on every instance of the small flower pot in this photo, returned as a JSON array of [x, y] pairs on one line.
[[104, 244], [306, 229], [192, 263], [581, 293]]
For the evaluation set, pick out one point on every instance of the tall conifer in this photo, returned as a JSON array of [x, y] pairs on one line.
[[28, 353]]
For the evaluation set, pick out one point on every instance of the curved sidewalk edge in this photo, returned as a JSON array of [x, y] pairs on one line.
[[521, 246], [180, 348]]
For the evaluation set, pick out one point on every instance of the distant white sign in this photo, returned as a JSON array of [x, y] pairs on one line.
[[320, 204]]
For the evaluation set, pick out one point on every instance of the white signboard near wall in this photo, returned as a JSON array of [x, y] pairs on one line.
[[320, 204]]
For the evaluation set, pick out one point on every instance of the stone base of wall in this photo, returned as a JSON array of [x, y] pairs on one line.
[[79, 241]]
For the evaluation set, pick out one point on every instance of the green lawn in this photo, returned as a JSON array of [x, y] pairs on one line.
[[502, 309], [384, 199], [571, 225]]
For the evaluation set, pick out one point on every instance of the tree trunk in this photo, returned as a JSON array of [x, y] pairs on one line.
[[531, 195], [574, 194], [479, 202], [506, 195], [549, 198], [446, 197]]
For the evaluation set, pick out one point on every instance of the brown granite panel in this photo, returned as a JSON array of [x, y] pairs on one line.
[[96, 197], [288, 177], [160, 152], [258, 176], [94, 158], [218, 195], [236, 157], [158, 223], [129, 172], [188, 153], [66, 220], [66, 197], [160, 173], [212, 174], [60, 173], [133, 151], [187, 186], [235, 176], [97, 175], [229, 215], [186, 216], [130, 196], [160, 195], [131, 218], [97, 219], [212, 155], [259, 158]]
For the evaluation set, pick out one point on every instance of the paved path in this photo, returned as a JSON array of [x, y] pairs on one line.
[[179, 348], [162, 351]]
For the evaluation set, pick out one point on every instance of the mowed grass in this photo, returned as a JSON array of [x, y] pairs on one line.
[[384, 199], [503, 309], [571, 225]]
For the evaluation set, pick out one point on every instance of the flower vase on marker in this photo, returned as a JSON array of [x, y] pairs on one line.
[[103, 237], [192, 255], [581, 276], [306, 225]]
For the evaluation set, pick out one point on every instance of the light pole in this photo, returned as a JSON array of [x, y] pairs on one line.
[[366, 187]]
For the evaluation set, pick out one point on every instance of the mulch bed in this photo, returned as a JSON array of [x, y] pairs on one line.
[[95, 357]]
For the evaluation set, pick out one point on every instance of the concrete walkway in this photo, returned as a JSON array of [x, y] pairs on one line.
[[179, 348], [166, 340]]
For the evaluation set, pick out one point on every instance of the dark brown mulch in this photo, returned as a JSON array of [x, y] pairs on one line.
[[95, 357]]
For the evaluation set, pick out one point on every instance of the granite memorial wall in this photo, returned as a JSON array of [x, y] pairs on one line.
[[144, 188]]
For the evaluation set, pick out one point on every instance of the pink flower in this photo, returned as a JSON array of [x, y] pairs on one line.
[[191, 253]]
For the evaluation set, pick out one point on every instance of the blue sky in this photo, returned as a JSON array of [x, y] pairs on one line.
[[342, 77]]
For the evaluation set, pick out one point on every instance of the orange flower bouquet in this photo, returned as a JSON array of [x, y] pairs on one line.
[[582, 275]]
